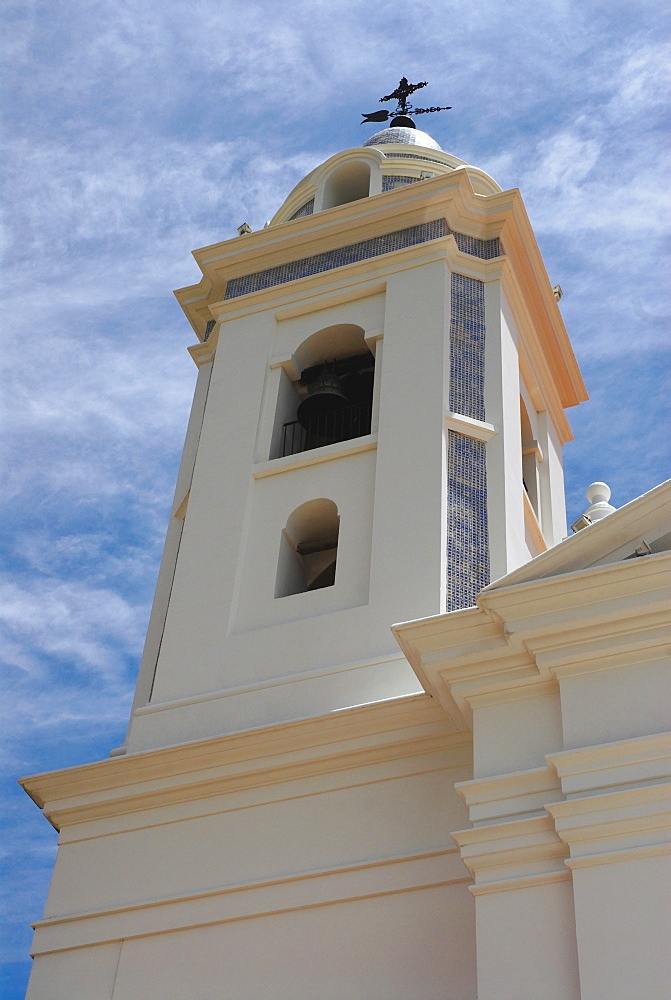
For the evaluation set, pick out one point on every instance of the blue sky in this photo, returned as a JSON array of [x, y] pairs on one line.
[[138, 131]]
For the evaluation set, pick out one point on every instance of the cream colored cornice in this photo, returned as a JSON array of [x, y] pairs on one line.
[[350, 738], [625, 763], [334, 228], [512, 854], [612, 821], [450, 196], [536, 290], [505, 797], [569, 599], [535, 365]]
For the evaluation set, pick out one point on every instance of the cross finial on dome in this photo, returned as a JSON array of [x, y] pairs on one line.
[[401, 115]]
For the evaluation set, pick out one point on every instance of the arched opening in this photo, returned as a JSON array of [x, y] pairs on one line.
[[308, 549], [333, 398], [348, 182]]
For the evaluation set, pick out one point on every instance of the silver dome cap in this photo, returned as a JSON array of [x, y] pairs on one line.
[[403, 137]]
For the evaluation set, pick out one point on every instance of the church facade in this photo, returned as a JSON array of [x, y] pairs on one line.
[[309, 804]]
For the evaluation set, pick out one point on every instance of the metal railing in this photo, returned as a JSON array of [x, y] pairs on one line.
[[339, 425]]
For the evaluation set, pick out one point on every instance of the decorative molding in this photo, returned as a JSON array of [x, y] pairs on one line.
[[478, 429], [612, 538], [515, 849], [448, 195], [326, 301], [621, 763], [340, 284], [328, 453], [525, 882], [618, 857], [618, 820], [350, 738], [304, 890], [518, 794]]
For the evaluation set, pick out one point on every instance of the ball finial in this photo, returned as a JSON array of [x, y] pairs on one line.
[[598, 493]]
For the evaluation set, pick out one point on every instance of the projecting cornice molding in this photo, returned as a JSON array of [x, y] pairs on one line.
[[625, 763], [513, 855], [257, 759], [449, 196]]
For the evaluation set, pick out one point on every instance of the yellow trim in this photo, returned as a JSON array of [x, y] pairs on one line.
[[532, 525]]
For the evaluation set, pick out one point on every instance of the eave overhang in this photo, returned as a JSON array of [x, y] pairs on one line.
[[450, 196], [133, 783]]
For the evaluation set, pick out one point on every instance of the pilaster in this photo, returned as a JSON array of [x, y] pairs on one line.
[[616, 823]]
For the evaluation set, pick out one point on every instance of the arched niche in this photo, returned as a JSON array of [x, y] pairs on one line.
[[341, 350], [348, 182], [308, 549], [343, 340]]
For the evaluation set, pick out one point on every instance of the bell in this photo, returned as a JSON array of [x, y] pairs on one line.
[[325, 396]]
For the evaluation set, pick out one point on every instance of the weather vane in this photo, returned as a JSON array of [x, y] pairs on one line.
[[401, 115]]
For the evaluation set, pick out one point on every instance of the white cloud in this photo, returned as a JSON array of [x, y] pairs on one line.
[[643, 81], [140, 131], [85, 626]]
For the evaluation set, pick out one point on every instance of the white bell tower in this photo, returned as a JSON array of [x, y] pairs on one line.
[[376, 434]]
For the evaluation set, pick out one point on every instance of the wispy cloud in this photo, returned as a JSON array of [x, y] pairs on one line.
[[140, 131]]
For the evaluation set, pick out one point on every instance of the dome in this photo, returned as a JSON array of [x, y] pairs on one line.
[[403, 137]]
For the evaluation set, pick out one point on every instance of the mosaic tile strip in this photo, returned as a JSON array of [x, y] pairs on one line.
[[391, 181], [208, 329], [414, 156], [403, 137], [467, 347], [485, 249], [336, 258], [306, 209], [467, 561]]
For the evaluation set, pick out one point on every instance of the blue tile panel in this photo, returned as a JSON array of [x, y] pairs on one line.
[[467, 570], [415, 156], [467, 347], [355, 252], [306, 209], [474, 247], [208, 329], [336, 258], [391, 181]]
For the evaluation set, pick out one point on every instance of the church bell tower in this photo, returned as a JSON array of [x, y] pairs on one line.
[[376, 435]]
